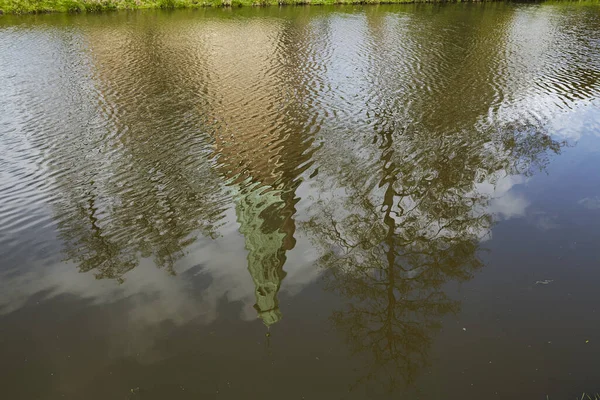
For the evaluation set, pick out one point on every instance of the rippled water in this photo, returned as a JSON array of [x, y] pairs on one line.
[[303, 202]]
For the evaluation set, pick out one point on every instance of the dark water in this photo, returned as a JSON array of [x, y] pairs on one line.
[[304, 203]]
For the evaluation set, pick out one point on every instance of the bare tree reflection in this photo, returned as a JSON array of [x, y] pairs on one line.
[[399, 239], [401, 211]]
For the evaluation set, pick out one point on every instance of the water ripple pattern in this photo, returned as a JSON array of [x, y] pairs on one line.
[[135, 135]]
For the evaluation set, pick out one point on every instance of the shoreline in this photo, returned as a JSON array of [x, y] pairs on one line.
[[23, 7], [16, 7]]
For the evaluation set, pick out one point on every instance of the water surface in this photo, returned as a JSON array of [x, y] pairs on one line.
[[373, 202]]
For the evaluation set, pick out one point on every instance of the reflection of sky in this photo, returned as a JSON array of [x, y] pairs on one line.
[[505, 202], [553, 79], [584, 120], [153, 294]]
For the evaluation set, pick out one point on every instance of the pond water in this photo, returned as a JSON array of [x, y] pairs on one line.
[[374, 202]]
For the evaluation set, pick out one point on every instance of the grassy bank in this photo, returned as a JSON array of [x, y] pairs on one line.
[[77, 6], [44, 6]]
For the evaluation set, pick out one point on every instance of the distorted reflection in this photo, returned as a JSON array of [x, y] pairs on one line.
[[146, 189], [245, 155], [394, 233], [262, 154], [266, 251], [402, 209], [158, 180], [401, 230]]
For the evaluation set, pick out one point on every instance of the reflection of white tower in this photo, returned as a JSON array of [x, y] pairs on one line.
[[266, 250], [253, 142]]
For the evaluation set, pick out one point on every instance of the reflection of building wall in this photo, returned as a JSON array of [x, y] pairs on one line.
[[260, 141], [259, 144], [251, 105], [250, 100]]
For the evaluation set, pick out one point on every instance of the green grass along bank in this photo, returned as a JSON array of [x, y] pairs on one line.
[[75, 6], [78, 6]]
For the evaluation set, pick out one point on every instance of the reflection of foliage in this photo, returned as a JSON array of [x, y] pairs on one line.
[[408, 205], [176, 147], [91, 249], [526, 148], [160, 226], [409, 221], [147, 187]]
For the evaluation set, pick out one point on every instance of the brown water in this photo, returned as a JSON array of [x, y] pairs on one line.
[[301, 202]]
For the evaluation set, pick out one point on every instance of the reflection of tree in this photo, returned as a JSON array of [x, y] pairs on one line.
[[141, 182], [401, 213], [90, 248], [402, 237]]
